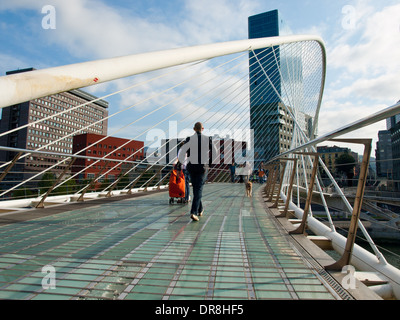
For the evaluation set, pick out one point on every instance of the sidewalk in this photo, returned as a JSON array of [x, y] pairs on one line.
[[144, 248]]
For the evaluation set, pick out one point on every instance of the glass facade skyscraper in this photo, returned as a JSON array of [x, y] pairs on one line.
[[265, 87]]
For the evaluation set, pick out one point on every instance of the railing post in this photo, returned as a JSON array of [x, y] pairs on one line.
[[18, 155], [268, 167], [301, 229], [289, 193], [275, 204], [137, 179], [273, 182], [114, 184], [348, 251], [91, 184], [152, 178], [41, 202], [162, 179]]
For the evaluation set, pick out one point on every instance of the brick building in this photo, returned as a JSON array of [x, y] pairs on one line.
[[108, 148]]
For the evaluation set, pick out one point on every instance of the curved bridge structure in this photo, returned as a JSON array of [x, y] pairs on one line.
[[118, 238]]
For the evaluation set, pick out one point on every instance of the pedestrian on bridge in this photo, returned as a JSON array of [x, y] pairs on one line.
[[233, 171], [200, 150], [261, 173]]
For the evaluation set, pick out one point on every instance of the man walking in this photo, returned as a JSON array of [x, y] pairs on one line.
[[198, 148]]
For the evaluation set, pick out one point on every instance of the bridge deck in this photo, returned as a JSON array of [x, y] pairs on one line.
[[144, 248]]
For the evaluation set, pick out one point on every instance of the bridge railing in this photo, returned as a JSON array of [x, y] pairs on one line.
[[256, 98], [215, 92], [309, 189]]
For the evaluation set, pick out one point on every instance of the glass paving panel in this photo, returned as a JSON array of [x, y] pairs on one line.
[[144, 248]]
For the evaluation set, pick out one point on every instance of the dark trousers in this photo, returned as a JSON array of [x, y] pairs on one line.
[[187, 186], [198, 178]]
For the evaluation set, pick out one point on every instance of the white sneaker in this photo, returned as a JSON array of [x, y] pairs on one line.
[[194, 217]]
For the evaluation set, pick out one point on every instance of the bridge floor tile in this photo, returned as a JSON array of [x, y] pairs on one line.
[[144, 248]]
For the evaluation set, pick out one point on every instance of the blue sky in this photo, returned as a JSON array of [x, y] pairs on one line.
[[362, 38]]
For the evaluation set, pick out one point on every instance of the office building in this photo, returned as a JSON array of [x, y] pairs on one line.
[[273, 128], [53, 134], [329, 155], [383, 154], [99, 146], [393, 126]]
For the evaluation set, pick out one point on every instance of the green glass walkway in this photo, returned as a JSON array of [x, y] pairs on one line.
[[144, 248]]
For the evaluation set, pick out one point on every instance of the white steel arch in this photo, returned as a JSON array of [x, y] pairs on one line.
[[22, 87]]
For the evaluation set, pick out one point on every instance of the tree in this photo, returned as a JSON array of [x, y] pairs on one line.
[[46, 182], [123, 182], [104, 184], [67, 187], [345, 164], [22, 193]]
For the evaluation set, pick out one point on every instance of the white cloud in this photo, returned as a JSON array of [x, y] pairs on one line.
[[335, 115], [377, 50], [364, 64], [382, 88], [212, 21], [11, 62], [93, 29]]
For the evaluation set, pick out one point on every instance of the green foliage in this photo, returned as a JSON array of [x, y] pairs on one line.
[[123, 182], [345, 163], [67, 188], [22, 193], [46, 182]]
